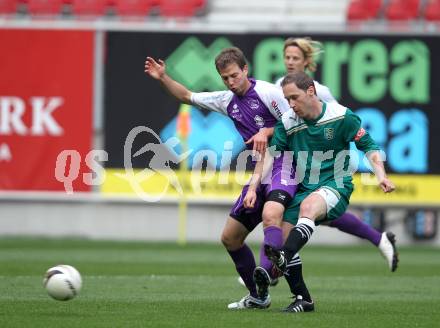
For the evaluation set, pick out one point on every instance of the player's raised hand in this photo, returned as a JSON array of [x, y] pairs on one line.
[[156, 69], [250, 198], [386, 185], [259, 141]]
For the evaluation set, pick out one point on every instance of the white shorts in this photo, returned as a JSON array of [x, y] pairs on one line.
[[331, 197]]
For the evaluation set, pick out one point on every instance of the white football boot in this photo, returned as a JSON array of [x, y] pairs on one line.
[[387, 247], [250, 302]]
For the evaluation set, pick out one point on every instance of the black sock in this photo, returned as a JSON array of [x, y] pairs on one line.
[[298, 237], [295, 279]]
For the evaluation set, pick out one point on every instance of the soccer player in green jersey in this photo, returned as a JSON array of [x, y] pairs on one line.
[[299, 55], [318, 135]]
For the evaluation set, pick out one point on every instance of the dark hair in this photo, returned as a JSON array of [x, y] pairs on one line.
[[229, 56], [301, 79]]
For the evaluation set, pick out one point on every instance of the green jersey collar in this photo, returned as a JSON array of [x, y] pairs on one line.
[[311, 122]]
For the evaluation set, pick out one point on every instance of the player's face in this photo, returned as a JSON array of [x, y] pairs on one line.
[[294, 59], [235, 78], [298, 99]]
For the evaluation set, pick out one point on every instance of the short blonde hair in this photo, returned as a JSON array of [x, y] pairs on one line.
[[309, 48]]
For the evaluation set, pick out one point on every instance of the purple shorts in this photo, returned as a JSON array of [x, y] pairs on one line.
[[280, 187]]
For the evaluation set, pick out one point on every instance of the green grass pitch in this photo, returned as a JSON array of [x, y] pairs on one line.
[[133, 284]]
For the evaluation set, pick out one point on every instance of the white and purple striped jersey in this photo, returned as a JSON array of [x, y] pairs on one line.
[[322, 91], [261, 107]]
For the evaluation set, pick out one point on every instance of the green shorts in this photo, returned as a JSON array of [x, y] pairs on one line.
[[336, 205]]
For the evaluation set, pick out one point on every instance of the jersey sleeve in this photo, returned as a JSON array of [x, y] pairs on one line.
[[353, 131], [278, 82], [217, 101], [273, 98], [323, 93], [279, 138]]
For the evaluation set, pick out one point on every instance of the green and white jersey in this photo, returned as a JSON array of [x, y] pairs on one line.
[[321, 147]]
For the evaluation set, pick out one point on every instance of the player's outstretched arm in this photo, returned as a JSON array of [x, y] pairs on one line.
[[364, 142], [379, 170], [157, 70]]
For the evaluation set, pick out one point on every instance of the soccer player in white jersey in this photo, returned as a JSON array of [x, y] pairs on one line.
[[315, 132], [299, 56]]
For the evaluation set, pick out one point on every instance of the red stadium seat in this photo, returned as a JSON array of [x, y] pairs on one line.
[[134, 7], [90, 7], [199, 3], [401, 10], [363, 9], [8, 6], [432, 11], [180, 8], [53, 7]]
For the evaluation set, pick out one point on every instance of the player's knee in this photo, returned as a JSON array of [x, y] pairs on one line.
[[226, 240], [272, 216], [307, 209], [231, 242]]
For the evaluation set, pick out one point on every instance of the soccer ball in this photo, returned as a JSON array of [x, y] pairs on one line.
[[62, 282]]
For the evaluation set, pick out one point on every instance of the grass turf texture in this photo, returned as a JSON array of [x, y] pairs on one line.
[[164, 285]]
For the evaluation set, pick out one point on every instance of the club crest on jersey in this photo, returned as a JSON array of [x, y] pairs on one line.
[[253, 103], [235, 113], [329, 133], [259, 121]]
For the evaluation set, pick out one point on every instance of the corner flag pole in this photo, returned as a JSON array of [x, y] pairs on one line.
[[183, 129]]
